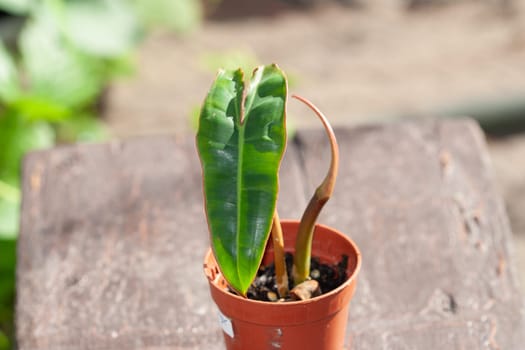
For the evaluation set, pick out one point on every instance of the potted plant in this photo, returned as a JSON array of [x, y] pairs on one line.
[[267, 298]]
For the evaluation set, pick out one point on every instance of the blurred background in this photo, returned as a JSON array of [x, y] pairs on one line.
[[92, 70]]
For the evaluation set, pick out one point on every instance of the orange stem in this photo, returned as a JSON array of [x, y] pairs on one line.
[[303, 243], [281, 276]]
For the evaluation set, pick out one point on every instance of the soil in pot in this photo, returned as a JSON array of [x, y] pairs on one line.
[[328, 276]]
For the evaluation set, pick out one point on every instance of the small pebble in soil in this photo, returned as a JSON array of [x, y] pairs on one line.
[[305, 290], [329, 277], [272, 296]]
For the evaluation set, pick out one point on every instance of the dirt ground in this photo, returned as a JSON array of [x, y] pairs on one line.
[[371, 63]]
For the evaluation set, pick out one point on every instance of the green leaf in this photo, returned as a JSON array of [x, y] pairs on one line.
[[4, 341], [83, 128], [179, 16], [7, 257], [55, 70], [18, 136], [7, 291], [122, 66], [35, 108], [9, 84], [9, 218], [104, 28], [9, 192], [241, 140]]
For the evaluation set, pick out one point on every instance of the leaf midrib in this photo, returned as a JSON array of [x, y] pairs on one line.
[[242, 113]]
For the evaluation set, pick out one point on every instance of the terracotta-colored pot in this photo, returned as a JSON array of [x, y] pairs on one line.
[[318, 323]]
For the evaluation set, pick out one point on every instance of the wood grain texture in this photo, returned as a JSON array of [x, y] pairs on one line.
[[112, 240], [111, 248]]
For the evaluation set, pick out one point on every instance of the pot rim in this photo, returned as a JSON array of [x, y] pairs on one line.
[[213, 276]]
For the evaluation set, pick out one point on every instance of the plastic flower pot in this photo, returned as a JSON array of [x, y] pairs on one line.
[[318, 323]]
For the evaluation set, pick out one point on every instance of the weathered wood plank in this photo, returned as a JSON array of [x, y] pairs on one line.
[[419, 200], [110, 232], [111, 248]]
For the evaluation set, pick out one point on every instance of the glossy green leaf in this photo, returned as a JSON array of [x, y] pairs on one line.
[[241, 140]]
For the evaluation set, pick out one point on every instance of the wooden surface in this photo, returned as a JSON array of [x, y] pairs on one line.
[[113, 236]]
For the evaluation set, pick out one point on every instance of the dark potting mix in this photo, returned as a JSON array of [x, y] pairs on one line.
[[329, 277]]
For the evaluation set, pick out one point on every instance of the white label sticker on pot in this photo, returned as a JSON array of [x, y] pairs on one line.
[[226, 324]]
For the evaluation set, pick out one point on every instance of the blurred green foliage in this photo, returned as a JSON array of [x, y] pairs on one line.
[[7, 291], [179, 16], [52, 76]]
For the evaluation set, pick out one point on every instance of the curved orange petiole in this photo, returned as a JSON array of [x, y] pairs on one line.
[[303, 243]]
